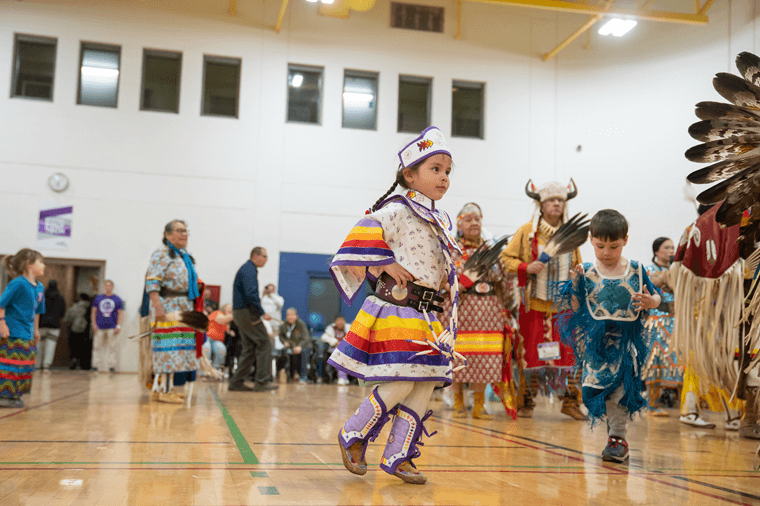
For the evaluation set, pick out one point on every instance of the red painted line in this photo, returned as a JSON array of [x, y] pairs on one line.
[[626, 472], [43, 404]]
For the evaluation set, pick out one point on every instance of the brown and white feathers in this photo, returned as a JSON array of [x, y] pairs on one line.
[[731, 143]]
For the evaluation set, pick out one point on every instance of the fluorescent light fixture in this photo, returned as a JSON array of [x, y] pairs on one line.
[[617, 27], [297, 80], [354, 96], [99, 72], [312, 1], [328, 2]]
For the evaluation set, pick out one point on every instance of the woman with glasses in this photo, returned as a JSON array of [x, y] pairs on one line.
[[172, 285]]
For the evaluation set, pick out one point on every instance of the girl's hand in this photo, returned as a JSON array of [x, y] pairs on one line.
[[398, 273], [4, 330], [37, 336], [160, 313], [576, 273], [645, 300]]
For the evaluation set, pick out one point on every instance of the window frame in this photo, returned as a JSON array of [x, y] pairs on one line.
[[471, 85], [102, 47], [429, 112], [224, 60], [160, 52], [24, 37], [305, 68], [367, 74]]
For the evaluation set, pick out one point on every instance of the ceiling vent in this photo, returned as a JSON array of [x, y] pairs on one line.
[[417, 17]]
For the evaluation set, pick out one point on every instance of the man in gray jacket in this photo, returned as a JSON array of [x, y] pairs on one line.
[[295, 337]]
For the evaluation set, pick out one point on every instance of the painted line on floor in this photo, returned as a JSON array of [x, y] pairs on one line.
[[426, 446], [24, 410], [242, 445], [616, 470], [122, 442], [716, 487]]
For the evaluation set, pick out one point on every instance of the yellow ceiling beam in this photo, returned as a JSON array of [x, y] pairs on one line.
[[283, 8], [705, 7], [233, 10], [578, 33], [583, 8]]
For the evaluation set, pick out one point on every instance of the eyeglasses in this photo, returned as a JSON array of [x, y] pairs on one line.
[[181, 231]]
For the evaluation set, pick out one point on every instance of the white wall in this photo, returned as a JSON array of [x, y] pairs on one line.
[[258, 180]]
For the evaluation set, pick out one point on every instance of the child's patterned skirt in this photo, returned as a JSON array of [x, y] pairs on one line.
[[377, 346], [17, 357]]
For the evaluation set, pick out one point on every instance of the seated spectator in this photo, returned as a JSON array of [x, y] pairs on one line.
[[333, 335], [296, 341], [218, 325]]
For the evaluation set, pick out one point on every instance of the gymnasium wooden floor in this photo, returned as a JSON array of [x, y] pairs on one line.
[[94, 439]]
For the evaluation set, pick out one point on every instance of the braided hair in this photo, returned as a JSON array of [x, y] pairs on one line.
[[400, 180]]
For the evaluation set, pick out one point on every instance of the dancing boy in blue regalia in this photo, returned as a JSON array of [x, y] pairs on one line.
[[609, 300]]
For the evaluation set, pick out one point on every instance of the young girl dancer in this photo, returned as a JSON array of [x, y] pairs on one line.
[[21, 304], [403, 247]]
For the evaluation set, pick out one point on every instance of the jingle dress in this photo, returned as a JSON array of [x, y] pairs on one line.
[[407, 229]]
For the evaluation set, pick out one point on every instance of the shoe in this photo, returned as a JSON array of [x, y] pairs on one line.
[[478, 409], [572, 410], [733, 425], [170, 398], [112, 370], [750, 432], [525, 413], [616, 450], [154, 396], [303, 381], [695, 420], [409, 474], [342, 381], [320, 381], [266, 387], [349, 463], [659, 412], [17, 403], [240, 388]]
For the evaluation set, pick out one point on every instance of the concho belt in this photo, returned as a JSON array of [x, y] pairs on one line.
[[414, 295], [166, 292], [481, 288]]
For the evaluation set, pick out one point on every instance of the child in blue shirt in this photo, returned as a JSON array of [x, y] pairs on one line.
[[609, 300], [21, 304]]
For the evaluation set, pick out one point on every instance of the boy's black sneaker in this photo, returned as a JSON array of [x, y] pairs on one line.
[[616, 450]]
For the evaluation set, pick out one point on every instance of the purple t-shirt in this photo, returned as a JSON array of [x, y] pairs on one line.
[[107, 314]]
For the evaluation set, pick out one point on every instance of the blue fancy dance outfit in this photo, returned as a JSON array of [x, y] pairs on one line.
[[607, 335]]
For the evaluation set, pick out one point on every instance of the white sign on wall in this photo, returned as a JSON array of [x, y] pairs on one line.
[[54, 228]]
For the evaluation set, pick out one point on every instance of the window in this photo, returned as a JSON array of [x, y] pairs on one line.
[[99, 75], [221, 86], [360, 99], [425, 18], [160, 82], [413, 103], [33, 67], [467, 109], [304, 94]]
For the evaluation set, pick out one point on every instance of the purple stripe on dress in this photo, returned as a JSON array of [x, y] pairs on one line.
[[438, 379], [47, 213], [361, 263], [369, 223], [353, 250]]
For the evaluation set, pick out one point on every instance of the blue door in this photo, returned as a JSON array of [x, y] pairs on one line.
[[305, 284]]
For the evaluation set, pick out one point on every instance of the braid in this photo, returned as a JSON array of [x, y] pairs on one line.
[[390, 190]]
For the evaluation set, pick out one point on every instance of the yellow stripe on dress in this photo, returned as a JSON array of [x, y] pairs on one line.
[[476, 342]]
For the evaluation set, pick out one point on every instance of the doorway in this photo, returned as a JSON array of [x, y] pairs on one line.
[[74, 276]]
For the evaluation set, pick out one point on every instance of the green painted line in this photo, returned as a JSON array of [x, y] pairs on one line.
[[259, 474], [243, 447], [268, 491]]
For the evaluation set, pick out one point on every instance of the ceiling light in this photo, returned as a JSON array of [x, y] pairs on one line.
[[328, 2], [312, 1], [617, 27], [297, 81]]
